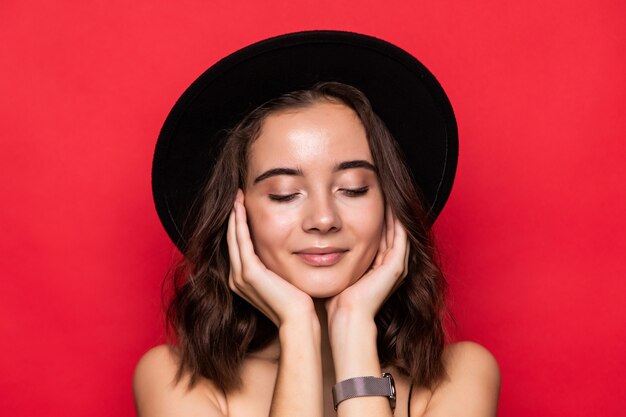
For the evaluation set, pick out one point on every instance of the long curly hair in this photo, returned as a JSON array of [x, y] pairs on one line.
[[213, 329]]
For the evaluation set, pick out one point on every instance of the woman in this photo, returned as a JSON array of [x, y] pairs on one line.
[[310, 282]]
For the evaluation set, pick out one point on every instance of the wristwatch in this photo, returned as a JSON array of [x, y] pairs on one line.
[[365, 386]]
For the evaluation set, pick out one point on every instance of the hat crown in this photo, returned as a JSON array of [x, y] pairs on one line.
[[403, 93]]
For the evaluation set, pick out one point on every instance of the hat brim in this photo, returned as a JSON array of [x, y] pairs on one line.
[[403, 93]]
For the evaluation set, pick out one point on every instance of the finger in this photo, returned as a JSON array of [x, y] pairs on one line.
[[400, 238], [395, 258], [406, 259], [403, 245], [234, 276], [389, 222], [255, 291], [236, 280], [246, 248], [382, 247], [396, 255], [389, 242], [405, 270], [239, 196], [400, 235], [233, 249]]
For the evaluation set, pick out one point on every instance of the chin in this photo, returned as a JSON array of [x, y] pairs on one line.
[[322, 293], [321, 286]]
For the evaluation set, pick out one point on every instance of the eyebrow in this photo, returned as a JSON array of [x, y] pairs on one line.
[[298, 172]]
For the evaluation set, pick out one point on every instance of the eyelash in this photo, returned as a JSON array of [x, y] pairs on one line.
[[282, 198], [356, 192]]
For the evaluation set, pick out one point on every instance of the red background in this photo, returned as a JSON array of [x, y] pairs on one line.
[[532, 235]]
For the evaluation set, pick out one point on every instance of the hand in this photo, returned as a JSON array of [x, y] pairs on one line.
[[250, 279], [365, 297]]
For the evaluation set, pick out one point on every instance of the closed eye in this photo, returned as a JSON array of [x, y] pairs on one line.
[[284, 197], [351, 192], [355, 192]]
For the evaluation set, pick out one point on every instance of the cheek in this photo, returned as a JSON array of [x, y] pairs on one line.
[[268, 231], [368, 231], [370, 223]]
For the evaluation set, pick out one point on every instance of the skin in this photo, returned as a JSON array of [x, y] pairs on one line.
[[324, 313], [342, 209]]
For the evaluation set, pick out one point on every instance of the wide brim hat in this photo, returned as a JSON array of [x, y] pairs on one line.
[[403, 93]]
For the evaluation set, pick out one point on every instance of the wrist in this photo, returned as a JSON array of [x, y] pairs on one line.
[[347, 327], [304, 328], [299, 311]]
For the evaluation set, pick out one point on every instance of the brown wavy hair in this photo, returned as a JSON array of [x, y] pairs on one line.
[[213, 329]]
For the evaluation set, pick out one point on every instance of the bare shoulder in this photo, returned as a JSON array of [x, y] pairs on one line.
[[157, 394], [469, 357], [472, 386]]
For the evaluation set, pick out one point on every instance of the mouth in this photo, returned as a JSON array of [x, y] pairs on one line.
[[322, 257]]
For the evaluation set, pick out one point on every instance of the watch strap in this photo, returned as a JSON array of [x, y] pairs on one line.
[[365, 386]]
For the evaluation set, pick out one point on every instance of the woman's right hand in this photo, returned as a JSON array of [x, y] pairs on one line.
[[253, 281]]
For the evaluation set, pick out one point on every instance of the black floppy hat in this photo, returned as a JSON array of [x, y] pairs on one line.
[[403, 93]]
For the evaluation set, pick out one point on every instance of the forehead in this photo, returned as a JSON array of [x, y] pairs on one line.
[[315, 137]]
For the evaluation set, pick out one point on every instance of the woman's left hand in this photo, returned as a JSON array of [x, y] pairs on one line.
[[364, 298]]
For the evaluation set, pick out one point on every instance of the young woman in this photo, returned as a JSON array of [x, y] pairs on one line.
[[310, 284]]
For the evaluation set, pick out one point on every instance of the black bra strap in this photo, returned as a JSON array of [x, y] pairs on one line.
[[410, 391]]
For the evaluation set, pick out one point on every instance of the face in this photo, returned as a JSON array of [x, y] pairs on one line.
[[314, 204]]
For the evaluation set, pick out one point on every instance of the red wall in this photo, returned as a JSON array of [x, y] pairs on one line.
[[532, 236]]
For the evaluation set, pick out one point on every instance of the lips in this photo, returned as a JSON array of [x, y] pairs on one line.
[[321, 256]]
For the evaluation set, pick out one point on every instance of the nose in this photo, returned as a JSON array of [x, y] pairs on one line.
[[322, 215]]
